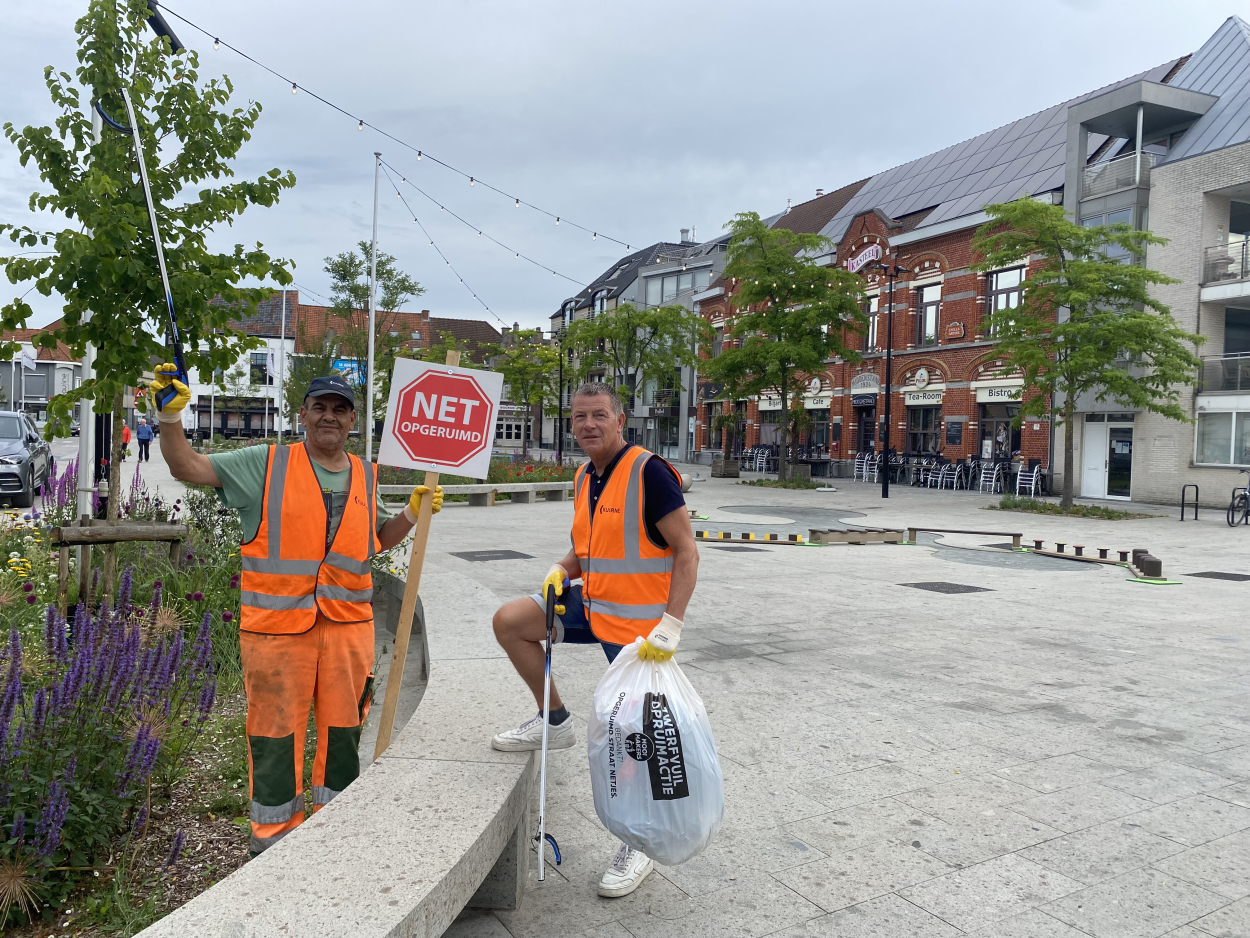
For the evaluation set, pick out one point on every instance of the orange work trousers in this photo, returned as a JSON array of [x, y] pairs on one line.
[[328, 668]]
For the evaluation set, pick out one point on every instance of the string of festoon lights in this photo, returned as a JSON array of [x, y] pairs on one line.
[[361, 124], [417, 221], [481, 233]]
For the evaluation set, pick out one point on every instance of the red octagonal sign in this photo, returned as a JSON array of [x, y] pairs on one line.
[[443, 418]]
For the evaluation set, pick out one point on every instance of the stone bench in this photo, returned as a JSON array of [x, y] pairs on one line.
[[483, 494], [439, 823]]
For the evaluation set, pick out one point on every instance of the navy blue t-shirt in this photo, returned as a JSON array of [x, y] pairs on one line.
[[661, 492]]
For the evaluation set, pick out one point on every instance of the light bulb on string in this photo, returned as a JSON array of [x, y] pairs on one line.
[[294, 87], [361, 125], [479, 234], [216, 44], [470, 180], [440, 208], [418, 156], [518, 203], [557, 221], [594, 236]]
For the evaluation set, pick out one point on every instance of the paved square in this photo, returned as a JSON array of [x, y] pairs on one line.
[[1059, 753]]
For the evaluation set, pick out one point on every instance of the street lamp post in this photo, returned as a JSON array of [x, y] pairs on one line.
[[560, 402], [892, 272]]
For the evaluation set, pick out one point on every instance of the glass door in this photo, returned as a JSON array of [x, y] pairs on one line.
[[1094, 461], [867, 432], [1120, 462]]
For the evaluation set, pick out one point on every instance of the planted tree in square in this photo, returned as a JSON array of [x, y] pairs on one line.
[[790, 318], [529, 367], [102, 264], [1087, 322]]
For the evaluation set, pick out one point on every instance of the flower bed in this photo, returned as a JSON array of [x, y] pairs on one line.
[[103, 714]]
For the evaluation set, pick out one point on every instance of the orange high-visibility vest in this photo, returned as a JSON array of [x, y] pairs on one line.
[[288, 575], [625, 575]]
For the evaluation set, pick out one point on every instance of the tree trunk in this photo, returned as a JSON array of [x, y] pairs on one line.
[[1069, 408], [114, 502]]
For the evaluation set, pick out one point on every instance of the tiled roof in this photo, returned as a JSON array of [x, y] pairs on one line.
[[811, 216]]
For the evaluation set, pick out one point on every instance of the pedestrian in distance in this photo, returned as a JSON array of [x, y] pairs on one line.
[[144, 436], [312, 522], [638, 562], [125, 440]]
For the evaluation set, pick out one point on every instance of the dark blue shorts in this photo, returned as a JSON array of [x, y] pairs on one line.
[[574, 624]]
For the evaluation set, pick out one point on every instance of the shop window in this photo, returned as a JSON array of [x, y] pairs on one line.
[[999, 438], [923, 424], [928, 308], [1003, 291], [870, 337], [1223, 440]]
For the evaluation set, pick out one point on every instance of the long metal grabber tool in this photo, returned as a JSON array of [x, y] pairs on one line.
[[163, 396], [543, 837]]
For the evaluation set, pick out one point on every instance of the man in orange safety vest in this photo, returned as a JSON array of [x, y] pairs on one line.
[[312, 523], [637, 559]]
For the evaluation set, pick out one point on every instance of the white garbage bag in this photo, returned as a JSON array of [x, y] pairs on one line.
[[653, 766]]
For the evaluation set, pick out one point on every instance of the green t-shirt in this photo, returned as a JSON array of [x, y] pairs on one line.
[[242, 474]]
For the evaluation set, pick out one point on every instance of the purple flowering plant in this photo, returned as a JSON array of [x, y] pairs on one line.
[[96, 716]]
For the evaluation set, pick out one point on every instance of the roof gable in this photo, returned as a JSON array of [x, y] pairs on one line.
[[1222, 68]]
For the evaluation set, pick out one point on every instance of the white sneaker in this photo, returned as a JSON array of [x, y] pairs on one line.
[[629, 868], [529, 735]]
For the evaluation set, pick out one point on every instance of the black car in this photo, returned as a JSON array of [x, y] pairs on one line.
[[26, 462]]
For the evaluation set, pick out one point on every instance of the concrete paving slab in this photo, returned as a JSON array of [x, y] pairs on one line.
[[1031, 924], [1099, 853], [1167, 781], [885, 917], [746, 910], [1221, 865], [1074, 809], [1141, 904], [989, 892], [1232, 921], [1196, 820], [850, 878]]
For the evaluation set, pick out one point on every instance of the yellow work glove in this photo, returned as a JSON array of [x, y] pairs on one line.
[[413, 508], [557, 576], [166, 377], [662, 642]]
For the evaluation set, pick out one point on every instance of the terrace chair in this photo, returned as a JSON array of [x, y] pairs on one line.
[[861, 460], [1027, 481], [991, 478]]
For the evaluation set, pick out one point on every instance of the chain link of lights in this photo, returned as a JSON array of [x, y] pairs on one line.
[[361, 124]]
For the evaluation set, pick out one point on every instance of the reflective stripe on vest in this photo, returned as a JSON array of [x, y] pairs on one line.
[[288, 574], [625, 576]]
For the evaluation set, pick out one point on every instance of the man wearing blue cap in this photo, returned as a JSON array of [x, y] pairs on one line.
[[312, 522]]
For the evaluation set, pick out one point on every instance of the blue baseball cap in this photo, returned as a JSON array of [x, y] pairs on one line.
[[331, 384]]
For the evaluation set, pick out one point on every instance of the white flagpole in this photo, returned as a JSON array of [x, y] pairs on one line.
[[281, 364], [373, 301]]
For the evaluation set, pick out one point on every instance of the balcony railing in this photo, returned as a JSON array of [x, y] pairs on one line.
[[1227, 374], [1226, 262], [1117, 174]]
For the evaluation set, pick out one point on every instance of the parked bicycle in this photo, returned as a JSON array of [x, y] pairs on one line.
[[1239, 507]]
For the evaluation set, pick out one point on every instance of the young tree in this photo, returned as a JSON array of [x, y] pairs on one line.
[[528, 366], [635, 345], [447, 342], [103, 264], [792, 317], [1086, 322], [349, 294]]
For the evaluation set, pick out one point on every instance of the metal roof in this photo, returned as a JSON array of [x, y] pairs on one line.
[[1023, 157], [1221, 67]]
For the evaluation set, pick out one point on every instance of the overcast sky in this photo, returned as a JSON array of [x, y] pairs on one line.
[[633, 119]]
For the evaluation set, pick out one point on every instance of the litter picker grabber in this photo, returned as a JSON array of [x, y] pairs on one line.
[[543, 837], [162, 397]]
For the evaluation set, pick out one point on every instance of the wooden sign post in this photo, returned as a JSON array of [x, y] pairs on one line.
[[441, 417]]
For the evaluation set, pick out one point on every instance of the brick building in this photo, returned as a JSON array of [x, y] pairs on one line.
[[1179, 134]]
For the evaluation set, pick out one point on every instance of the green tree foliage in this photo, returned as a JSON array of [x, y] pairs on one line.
[[349, 294], [529, 367], [628, 344], [103, 263], [1086, 321], [792, 316], [447, 342]]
